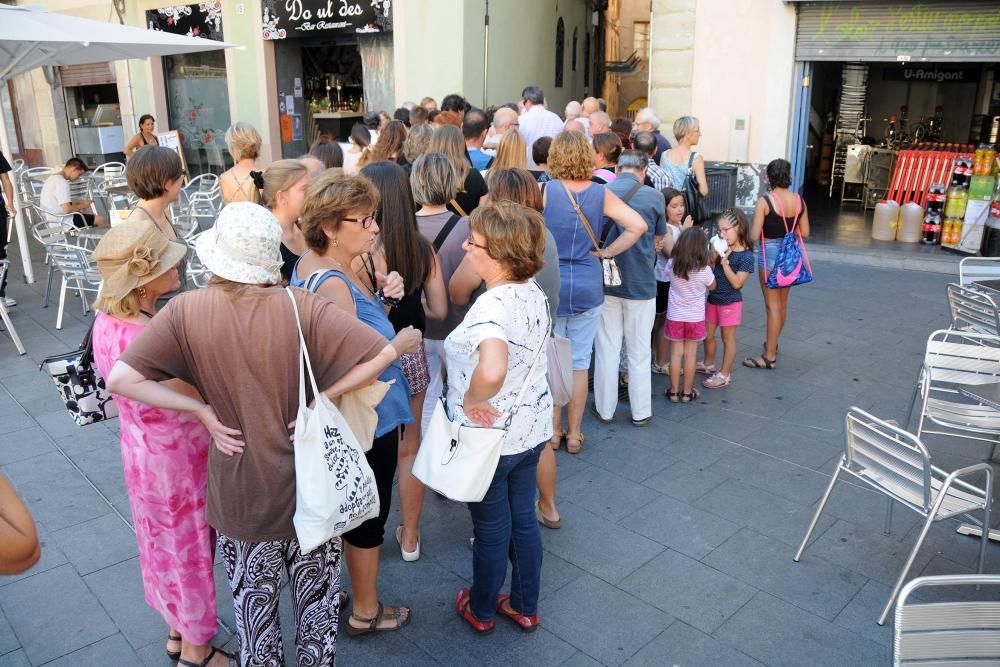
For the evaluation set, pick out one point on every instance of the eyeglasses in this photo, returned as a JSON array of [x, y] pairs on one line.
[[725, 229], [472, 242], [366, 221]]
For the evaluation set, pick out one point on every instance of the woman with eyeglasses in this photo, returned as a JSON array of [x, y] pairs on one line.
[[339, 224]]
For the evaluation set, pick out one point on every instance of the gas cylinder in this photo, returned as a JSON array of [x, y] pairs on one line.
[[886, 220], [911, 223]]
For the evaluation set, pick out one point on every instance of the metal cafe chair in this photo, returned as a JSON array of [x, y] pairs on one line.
[[973, 310], [78, 272], [4, 315], [196, 274], [949, 632], [896, 464], [974, 269], [957, 357]]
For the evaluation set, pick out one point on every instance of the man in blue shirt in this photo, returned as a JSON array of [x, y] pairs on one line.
[[629, 309], [474, 127]]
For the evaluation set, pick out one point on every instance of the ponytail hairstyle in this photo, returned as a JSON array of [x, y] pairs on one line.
[[279, 177], [690, 253], [738, 219]]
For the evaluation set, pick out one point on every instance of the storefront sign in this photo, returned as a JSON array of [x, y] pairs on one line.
[[203, 19], [931, 74], [299, 18]]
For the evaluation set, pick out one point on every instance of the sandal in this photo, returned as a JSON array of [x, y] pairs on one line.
[[700, 367], [173, 655], [373, 623], [674, 396], [688, 397], [527, 623], [555, 442], [760, 362], [204, 663], [344, 598], [717, 381], [574, 449], [462, 607], [545, 521]]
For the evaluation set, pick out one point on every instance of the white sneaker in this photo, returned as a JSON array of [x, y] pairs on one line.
[[9, 302]]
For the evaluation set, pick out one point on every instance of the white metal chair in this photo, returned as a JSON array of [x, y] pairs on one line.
[[950, 632], [974, 269], [973, 310], [195, 272], [896, 464], [109, 173], [48, 233], [958, 357], [78, 272], [4, 315], [32, 181]]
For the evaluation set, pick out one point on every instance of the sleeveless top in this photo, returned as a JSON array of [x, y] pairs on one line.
[[581, 278], [774, 227], [678, 172], [394, 410], [409, 312], [155, 142]]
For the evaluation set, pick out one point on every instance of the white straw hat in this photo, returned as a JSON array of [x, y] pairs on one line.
[[244, 245]]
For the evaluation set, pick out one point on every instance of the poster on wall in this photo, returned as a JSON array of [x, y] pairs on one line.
[[203, 19], [173, 141], [300, 18]]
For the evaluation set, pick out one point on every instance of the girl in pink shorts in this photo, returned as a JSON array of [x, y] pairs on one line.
[[725, 301], [685, 325]]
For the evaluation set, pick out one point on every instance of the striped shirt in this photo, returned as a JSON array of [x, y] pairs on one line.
[[687, 297]]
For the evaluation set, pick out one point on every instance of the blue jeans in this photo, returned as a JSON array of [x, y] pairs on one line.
[[505, 527]]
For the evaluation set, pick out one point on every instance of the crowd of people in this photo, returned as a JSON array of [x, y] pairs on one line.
[[439, 253]]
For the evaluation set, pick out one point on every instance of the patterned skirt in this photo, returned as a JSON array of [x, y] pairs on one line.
[[416, 370]]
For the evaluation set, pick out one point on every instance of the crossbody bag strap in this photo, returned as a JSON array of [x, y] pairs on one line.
[[461, 211], [304, 362], [583, 218], [534, 361], [609, 223], [445, 231]]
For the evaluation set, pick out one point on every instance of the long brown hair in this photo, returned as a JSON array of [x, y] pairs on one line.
[[738, 219], [389, 145], [516, 185], [406, 250], [448, 139], [690, 253]]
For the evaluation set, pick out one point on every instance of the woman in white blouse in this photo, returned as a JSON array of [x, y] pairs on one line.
[[490, 356]]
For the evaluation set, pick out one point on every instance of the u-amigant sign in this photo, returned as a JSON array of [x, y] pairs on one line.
[[301, 18]]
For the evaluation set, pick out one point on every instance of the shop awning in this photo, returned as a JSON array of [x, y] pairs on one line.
[[31, 37]]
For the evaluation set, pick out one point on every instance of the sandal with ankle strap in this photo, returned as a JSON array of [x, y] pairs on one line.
[[372, 624], [204, 663], [173, 655], [574, 449], [764, 362], [687, 397], [555, 442]]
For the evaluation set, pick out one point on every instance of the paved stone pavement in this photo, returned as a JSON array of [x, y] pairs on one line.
[[677, 541]]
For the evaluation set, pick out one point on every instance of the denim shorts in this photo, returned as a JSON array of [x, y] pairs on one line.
[[772, 246], [581, 330]]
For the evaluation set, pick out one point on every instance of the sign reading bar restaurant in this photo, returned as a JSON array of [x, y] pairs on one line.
[[301, 18]]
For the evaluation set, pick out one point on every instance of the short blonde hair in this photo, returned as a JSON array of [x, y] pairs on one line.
[[512, 153], [514, 235], [684, 125], [329, 198], [571, 157], [417, 141], [243, 140], [433, 180]]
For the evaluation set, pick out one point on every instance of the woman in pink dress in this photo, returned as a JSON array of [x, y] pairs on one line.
[[164, 453]]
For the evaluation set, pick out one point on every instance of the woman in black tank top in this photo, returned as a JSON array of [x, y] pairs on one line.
[[404, 250], [770, 226]]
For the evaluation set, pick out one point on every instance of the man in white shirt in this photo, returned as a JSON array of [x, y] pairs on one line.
[[537, 121], [56, 200]]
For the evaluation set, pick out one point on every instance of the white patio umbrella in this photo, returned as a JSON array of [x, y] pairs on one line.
[[31, 37]]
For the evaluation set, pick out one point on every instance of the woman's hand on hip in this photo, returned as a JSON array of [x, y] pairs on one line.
[[481, 413], [225, 438]]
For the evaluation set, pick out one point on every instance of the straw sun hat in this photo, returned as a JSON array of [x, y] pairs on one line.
[[244, 246], [133, 254]]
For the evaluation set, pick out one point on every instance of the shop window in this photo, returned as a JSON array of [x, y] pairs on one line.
[[560, 51], [640, 38], [573, 55], [198, 106]]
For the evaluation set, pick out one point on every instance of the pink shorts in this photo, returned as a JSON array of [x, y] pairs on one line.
[[729, 315], [674, 330]]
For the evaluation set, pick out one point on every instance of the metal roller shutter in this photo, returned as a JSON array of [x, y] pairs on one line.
[[931, 30], [86, 75]]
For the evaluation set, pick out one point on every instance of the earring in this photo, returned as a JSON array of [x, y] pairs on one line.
[[335, 242], [142, 292]]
